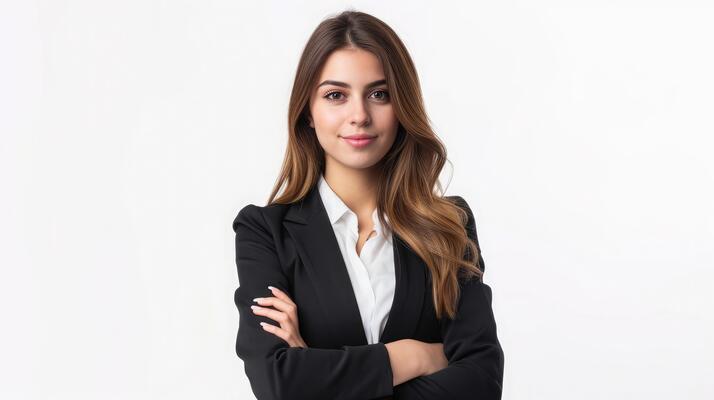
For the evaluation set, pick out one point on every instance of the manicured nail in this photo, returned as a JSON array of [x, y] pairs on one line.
[[257, 299], [254, 307], [271, 288]]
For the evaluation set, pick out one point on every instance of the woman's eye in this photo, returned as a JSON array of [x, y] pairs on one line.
[[384, 96], [328, 96]]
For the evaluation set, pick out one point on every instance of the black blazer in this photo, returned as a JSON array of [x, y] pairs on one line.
[[293, 247]]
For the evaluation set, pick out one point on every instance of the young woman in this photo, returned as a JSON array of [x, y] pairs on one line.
[[361, 280]]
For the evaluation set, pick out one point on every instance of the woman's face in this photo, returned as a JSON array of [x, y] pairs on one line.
[[351, 98]]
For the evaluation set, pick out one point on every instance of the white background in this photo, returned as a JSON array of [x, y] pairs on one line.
[[133, 132]]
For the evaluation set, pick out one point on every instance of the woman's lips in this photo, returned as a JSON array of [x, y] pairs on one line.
[[360, 142]]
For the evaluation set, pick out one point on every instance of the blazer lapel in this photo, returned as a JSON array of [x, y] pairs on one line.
[[409, 293], [315, 240]]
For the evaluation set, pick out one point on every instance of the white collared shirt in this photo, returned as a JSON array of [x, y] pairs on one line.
[[372, 271]]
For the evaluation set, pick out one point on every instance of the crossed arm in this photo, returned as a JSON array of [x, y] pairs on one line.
[[277, 371], [476, 359], [475, 356]]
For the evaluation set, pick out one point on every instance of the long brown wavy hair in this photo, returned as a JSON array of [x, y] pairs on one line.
[[409, 192]]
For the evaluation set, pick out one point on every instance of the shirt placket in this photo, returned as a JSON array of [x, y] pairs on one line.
[[363, 272]]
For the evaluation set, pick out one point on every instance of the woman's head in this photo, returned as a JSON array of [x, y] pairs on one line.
[[348, 53], [352, 101], [355, 48]]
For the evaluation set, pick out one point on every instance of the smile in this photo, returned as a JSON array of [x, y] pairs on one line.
[[360, 142]]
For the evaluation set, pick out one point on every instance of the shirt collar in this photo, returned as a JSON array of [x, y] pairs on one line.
[[337, 209], [334, 206]]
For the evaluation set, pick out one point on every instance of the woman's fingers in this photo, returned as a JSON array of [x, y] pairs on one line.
[[280, 304], [276, 315], [289, 337], [285, 313], [288, 308], [281, 295]]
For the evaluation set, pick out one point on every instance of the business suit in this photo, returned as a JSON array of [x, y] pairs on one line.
[[293, 248]]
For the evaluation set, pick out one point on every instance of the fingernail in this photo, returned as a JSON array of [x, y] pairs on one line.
[[257, 299], [254, 307], [271, 288]]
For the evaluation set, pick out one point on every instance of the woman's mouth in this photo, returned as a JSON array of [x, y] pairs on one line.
[[359, 141]]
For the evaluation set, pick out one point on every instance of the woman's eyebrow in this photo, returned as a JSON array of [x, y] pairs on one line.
[[346, 85]]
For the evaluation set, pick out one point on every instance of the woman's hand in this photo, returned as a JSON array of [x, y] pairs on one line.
[[286, 315], [435, 358], [411, 358]]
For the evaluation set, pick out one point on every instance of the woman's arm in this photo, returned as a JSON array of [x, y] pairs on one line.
[[411, 358], [476, 359], [276, 371]]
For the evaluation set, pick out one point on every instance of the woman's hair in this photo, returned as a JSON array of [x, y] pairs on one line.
[[432, 225]]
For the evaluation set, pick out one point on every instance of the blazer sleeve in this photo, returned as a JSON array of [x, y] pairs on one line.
[[275, 370], [471, 345]]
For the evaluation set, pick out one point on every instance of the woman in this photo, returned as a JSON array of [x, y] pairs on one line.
[[360, 281]]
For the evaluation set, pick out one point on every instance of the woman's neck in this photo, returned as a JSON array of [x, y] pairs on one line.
[[357, 188]]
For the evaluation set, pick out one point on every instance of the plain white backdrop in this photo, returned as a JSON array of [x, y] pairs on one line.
[[580, 132]]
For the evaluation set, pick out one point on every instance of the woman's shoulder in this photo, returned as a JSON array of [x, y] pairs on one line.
[[471, 219], [260, 216], [459, 201]]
